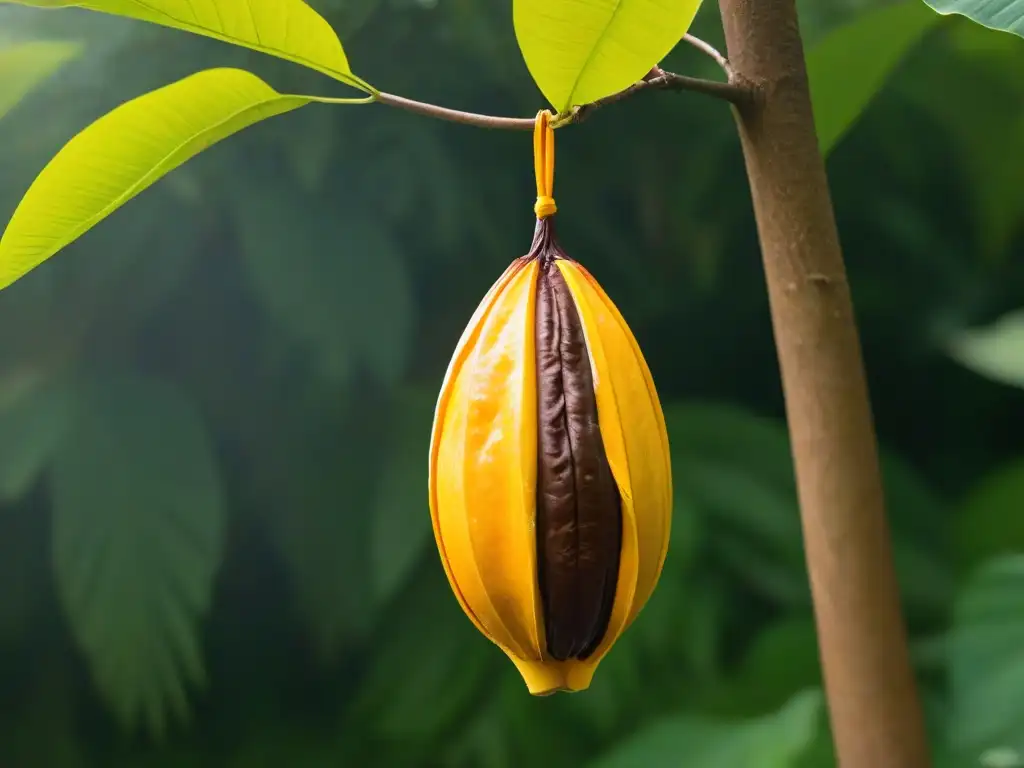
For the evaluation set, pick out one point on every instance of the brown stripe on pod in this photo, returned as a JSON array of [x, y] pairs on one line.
[[579, 511]]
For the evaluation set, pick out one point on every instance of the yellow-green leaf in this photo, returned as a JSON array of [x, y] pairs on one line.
[[26, 65], [126, 151], [288, 29], [579, 51]]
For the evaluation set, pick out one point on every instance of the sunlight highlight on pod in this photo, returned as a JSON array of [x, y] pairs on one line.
[[550, 475]]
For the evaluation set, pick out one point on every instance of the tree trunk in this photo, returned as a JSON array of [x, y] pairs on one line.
[[873, 703]]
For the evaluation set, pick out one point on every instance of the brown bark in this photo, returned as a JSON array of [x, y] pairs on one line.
[[872, 697]]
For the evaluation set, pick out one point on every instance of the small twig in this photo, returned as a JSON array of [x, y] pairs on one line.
[[711, 51], [657, 79], [455, 115]]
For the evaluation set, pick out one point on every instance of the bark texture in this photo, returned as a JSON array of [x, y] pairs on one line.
[[873, 702]]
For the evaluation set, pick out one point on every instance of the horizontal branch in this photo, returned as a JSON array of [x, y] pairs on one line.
[[657, 79], [455, 115], [663, 81]]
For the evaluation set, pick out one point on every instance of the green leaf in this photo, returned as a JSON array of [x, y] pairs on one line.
[[986, 663], [981, 122], [995, 351], [776, 740], [330, 277], [126, 151], [288, 29], [401, 514], [851, 64], [1005, 15], [578, 52], [34, 415], [24, 66], [138, 526], [988, 522], [736, 468]]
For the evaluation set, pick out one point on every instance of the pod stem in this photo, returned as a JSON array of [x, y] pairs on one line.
[[872, 697]]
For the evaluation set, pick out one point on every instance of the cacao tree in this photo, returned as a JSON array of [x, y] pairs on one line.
[[585, 59]]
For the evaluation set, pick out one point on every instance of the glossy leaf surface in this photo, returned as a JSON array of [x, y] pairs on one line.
[[126, 151], [579, 52], [288, 29], [1007, 15]]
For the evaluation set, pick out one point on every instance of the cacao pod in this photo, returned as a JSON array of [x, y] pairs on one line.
[[550, 476]]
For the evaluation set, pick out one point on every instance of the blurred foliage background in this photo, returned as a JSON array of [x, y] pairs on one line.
[[215, 407]]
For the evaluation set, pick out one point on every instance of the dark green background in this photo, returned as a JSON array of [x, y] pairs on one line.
[[215, 409]]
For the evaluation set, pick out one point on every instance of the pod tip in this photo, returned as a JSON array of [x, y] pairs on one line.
[[544, 678]]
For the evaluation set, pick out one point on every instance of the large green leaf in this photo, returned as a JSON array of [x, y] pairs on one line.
[[736, 468], [126, 151], [26, 65], [986, 664], [851, 64], [579, 52], [288, 29], [777, 740], [994, 351], [332, 278], [982, 121], [138, 523], [1007, 15]]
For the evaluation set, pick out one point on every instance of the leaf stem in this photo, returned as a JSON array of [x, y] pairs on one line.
[[710, 50]]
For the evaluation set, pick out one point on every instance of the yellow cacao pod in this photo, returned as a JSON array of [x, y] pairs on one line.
[[550, 477]]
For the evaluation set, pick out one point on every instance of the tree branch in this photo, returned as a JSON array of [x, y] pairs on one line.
[[734, 91], [658, 79]]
